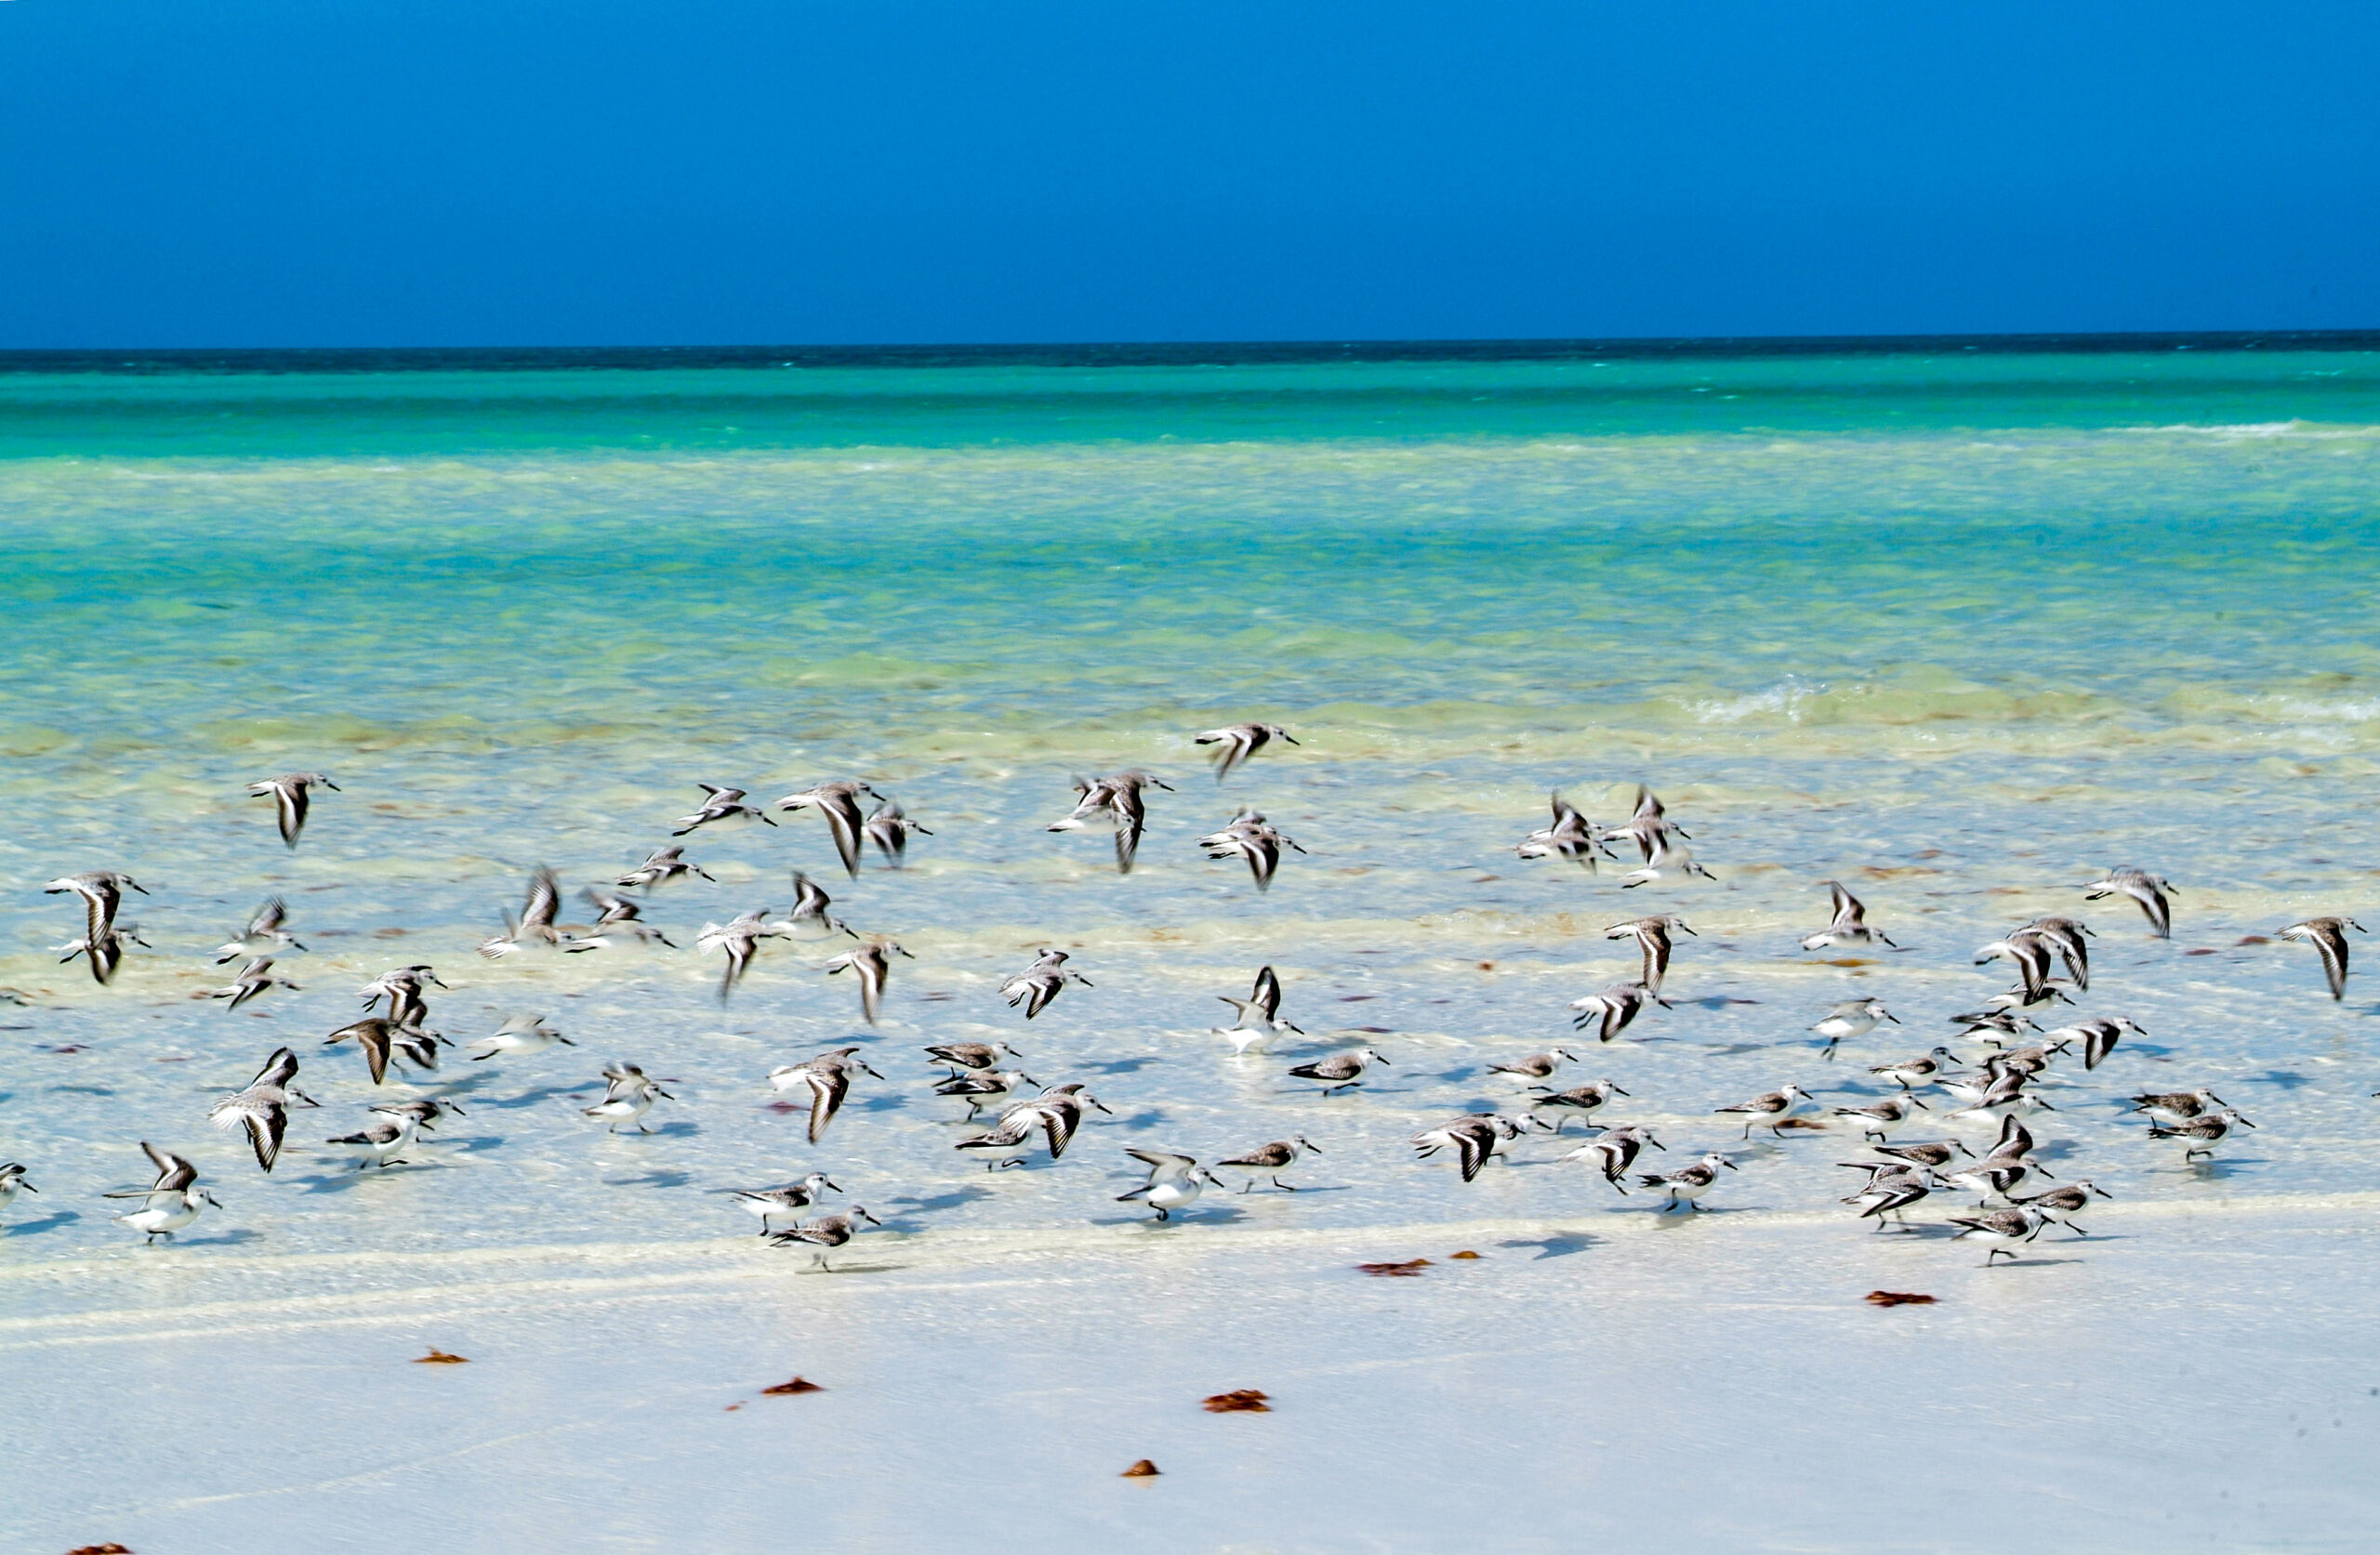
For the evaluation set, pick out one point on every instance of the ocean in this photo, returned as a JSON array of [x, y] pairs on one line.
[[1961, 624]]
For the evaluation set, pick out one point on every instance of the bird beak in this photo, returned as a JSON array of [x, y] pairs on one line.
[[658, 1091], [454, 1107], [1919, 1105], [1378, 1058], [870, 1219], [1616, 1091], [1730, 1165], [2245, 1121], [836, 1186], [1894, 1019], [868, 1071]]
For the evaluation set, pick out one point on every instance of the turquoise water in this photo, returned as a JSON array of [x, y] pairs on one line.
[[1962, 630]]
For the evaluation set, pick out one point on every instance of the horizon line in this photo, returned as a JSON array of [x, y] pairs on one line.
[[1156, 353]]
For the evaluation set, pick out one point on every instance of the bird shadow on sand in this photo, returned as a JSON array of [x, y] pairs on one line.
[[231, 1238], [1202, 1216], [676, 1128], [2034, 1262], [656, 1178], [1122, 1066], [531, 1097], [1561, 1243], [82, 1090], [50, 1221], [2216, 1171], [476, 1144], [957, 1198], [892, 1102], [853, 1268], [2287, 1079]]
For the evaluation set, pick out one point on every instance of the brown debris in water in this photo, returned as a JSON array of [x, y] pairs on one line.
[[1239, 1401], [1407, 1269], [1899, 1299], [438, 1357], [798, 1385], [1466, 1253], [1144, 1470]]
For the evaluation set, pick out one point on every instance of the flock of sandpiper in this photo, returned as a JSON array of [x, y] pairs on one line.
[[2000, 1085]]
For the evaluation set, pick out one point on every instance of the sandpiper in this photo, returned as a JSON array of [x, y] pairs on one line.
[[719, 804], [890, 830], [290, 793], [173, 1202], [1849, 1018], [2176, 1106], [1340, 1070], [1240, 742], [810, 905], [1272, 1158], [2067, 936], [1937, 1153], [519, 1035], [2150, 890], [872, 965], [827, 1079], [2000, 1227], [1669, 862], [539, 907], [1849, 930], [790, 1199], [740, 940], [1649, 827], [1537, 1066], [401, 988], [1571, 836], [1582, 1100], [1772, 1109], [1687, 1183], [1252, 838], [838, 802], [255, 978], [1614, 1009], [1174, 1181], [827, 1234], [1613, 1152], [2200, 1135], [2068, 1199], [2098, 1036], [971, 1055], [1123, 800], [1474, 1139], [1260, 1015], [262, 1106], [1654, 936], [1877, 1120], [979, 1086], [265, 933], [617, 919], [1890, 1190], [2328, 936], [12, 1179], [1038, 985], [660, 867], [627, 1097]]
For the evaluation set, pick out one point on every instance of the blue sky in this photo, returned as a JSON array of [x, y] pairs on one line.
[[411, 172]]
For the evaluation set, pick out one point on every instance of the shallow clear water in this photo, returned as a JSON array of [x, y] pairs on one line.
[[1961, 631]]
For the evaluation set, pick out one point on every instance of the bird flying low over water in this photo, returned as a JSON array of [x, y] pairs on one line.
[[1849, 930], [2328, 936], [1040, 982], [1240, 740], [2150, 890], [1654, 939], [290, 793], [719, 804], [1571, 836], [890, 830], [659, 868], [262, 1106], [872, 964], [266, 933], [838, 802], [1250, 836], [1123, 800]]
